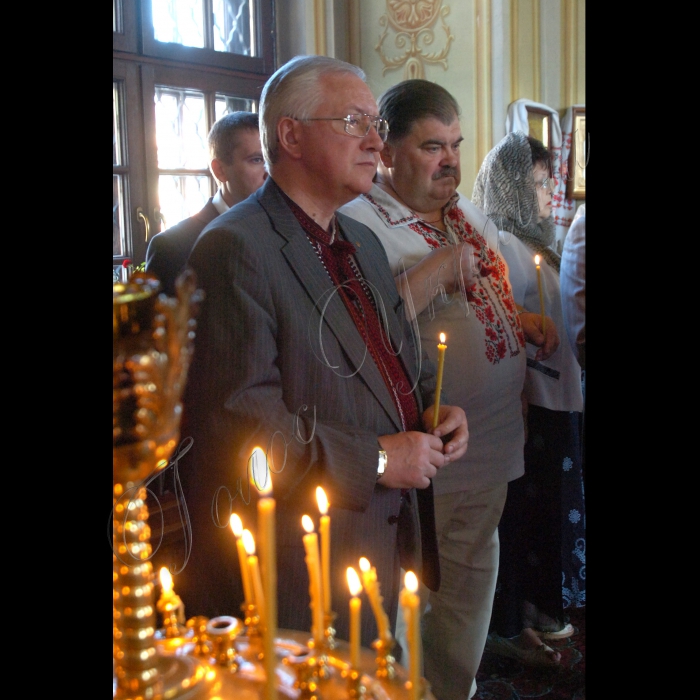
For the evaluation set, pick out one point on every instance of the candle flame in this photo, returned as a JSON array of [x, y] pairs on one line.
[[307, 523], [537, 259], [354, 582], [410, 581], [364, 564], [248, 542], [442, 338], [322, 500], [236, 525], [259, 472], [166, 580]]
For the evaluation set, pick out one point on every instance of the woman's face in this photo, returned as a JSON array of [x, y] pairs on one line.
[[544, 191]]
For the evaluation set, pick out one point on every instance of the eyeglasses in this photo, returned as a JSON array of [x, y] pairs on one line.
[[358, 124], [546, 184]]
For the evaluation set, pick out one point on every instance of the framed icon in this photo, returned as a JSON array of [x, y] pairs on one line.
[[539, 123], [578, 157]]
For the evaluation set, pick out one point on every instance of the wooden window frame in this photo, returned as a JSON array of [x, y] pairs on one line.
[[141, 62], [127, 40], [263, 64]]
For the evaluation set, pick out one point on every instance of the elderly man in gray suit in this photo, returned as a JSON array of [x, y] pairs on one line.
[[302, 349]]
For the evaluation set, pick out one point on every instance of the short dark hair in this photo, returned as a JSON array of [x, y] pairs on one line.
[[411, 100], [223, 136], [540, 154]]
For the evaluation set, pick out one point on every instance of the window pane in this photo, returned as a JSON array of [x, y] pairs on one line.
[[117, 16], [179, 21], [116, 127], [233, 29], [118, 179], [226, 104], [182, 196], [229, 27], [181, 129], [118, 244]]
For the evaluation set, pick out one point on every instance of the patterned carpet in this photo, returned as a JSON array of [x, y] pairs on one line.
[[500, 678]]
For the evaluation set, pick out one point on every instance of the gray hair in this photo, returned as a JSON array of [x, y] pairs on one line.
[[292, 91]]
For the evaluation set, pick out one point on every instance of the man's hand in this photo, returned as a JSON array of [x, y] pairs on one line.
[[452, 421], [413, 459], [439, 269], [532, 327]]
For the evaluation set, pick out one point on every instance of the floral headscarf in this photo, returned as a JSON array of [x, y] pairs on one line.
[[505, 191]]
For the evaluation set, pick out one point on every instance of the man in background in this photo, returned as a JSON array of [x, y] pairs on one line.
[[236, 161]]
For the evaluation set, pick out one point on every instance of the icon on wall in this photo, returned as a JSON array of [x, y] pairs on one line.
[[578, 157]]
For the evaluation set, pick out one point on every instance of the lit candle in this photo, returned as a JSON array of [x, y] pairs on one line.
[[268, 556], [315, 585], [539, 287], [254, 571], [355, 607], [441, 362], [166, 582], [170, 604], [410, 603], [237, 527], [325, 532], [369, 579]]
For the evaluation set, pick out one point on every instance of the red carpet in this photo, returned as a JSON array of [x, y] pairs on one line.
[[500, 678]]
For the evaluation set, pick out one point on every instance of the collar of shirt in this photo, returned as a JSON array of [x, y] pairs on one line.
[[219, 203], [394, 212]]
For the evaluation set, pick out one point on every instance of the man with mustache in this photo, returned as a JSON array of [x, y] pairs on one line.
[[443, 252]]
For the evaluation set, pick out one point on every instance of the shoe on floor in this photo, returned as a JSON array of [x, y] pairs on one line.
[[536, 656], [563, 633]]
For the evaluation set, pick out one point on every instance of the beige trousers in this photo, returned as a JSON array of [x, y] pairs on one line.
[[456, 619]]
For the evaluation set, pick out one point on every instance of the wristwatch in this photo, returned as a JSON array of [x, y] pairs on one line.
[[381, 467]]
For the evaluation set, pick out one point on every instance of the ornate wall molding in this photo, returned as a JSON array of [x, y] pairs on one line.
[[413, 24]]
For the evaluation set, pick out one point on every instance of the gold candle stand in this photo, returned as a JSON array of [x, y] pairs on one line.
[[222, 632], [356, 689], [209, 659], [329, 629], [251, 620], [152, 345], [385, 660]]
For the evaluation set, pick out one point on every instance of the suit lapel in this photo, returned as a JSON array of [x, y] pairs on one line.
[[303, 260], [368, 258]]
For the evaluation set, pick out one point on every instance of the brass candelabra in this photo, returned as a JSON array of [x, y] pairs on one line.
[[152, 345], [208, 658]]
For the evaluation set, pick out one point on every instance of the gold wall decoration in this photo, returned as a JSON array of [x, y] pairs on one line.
[[413, 23]]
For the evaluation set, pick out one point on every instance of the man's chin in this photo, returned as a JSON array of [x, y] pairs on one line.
[[445, 188]]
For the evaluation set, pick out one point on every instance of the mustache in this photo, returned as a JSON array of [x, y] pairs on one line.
[[447, 171]]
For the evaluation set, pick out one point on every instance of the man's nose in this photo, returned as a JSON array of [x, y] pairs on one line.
[[450, 158], [373, 141]]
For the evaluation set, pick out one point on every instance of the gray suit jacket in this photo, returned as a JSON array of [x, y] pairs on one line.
[[279, 364]]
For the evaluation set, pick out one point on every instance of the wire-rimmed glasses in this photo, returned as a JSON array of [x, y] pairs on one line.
[[358, 124], [546, 184]]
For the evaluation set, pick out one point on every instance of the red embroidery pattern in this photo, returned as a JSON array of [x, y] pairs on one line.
[[495, 309], [490, 295]]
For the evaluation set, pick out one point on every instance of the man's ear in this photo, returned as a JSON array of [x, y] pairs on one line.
[[387, 156], [289, 136], [217, 170]]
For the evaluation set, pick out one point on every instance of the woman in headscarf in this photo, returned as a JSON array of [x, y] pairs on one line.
[[542, 531]]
